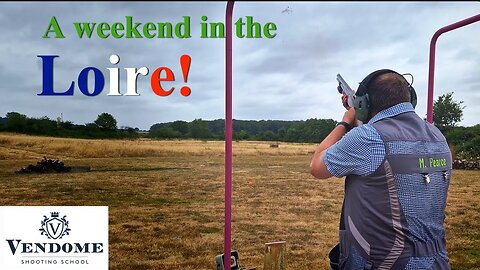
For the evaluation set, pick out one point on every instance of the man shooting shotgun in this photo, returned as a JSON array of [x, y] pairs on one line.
[[397, 169]]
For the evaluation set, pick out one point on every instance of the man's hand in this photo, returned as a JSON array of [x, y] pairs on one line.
[[349, 117], [345, 101]]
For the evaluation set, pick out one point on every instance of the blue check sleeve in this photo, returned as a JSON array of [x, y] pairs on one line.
[[360, 152]]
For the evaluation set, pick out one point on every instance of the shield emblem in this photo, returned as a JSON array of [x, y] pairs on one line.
[[55, 227]]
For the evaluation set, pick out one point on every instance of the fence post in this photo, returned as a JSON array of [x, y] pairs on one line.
[[274, 256]]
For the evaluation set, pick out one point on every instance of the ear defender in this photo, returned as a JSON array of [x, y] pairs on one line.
[[413, 96], [362, 107], [362, 101]]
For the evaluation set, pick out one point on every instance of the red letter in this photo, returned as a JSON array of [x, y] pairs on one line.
[[155, 81]]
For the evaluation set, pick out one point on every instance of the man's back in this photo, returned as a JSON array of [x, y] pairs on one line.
[[393, 217], [398, 171]]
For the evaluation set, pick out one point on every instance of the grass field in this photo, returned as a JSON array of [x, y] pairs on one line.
[[166, 200]]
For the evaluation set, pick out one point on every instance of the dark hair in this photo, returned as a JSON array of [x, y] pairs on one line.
[[387, 90]]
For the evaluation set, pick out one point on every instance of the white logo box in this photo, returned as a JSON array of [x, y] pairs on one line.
[[54, 237]]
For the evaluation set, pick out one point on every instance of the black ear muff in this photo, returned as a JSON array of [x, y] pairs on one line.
[[362, 107], [413, 96]]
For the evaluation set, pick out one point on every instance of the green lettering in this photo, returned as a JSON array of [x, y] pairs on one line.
[[253, 27], [213, 30], [147, 28], [132, 29], [269, 27], [53, 27], [103, 26], [203, 28], [115, 28], [238, 28], [84, 28], [441, 162], [421, 163], [186, 27], [165, 28]]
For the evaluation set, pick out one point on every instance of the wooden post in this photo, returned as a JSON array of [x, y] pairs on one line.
[[274, 256]]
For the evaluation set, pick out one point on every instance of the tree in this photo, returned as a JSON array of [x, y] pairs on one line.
[[465, 140], [180, 126], [472, 148], [447, 112], [16, 122], [106, 121], [311, 130], [267, 136], [165, 132], [241, 135], [199, 129]]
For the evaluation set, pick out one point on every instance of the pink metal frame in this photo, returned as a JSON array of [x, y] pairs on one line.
[[228, 136], [431, 64]]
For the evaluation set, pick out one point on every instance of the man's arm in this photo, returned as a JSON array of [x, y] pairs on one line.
[[317, 165]]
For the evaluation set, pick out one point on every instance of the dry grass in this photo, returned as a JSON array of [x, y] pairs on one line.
[[15, 146], [166, 200]]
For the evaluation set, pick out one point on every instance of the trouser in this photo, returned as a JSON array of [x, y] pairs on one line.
[[334, 256]]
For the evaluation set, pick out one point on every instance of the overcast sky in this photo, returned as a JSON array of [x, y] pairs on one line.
[[289, 77]]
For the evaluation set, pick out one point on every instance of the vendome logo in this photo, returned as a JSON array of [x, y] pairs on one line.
[[53, 227], [55, 245]]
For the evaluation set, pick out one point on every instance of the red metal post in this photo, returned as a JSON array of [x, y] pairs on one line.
[[228, 136], [431, 64]]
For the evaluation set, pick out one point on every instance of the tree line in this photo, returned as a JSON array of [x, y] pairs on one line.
[[311, 130], [105, 126], [464, 141]]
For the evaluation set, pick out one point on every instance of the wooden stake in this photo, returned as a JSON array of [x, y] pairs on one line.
[[274, 256]]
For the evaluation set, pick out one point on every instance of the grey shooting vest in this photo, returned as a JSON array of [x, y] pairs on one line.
[[393, 218]]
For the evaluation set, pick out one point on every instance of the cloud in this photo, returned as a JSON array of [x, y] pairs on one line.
[[291, 76]]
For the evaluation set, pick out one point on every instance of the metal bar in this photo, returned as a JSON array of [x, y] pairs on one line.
[[228, 135], [431, 64]]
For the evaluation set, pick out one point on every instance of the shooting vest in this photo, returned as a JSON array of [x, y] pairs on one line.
[[393, 218]]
